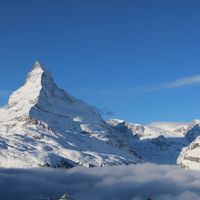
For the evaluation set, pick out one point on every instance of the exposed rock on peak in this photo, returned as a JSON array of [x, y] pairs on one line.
[[193, 130], [38, 73], [39, 90]]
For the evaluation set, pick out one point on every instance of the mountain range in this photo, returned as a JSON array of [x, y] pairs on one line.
[[42, 125]]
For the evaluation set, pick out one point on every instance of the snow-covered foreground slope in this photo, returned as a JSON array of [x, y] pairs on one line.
[[42, 125], [190, 156], [159, 142]]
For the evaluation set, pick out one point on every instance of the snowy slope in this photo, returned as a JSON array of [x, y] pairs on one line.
[[42, 125], [153, 130], [169, 129], [159, 142], [190, 155]]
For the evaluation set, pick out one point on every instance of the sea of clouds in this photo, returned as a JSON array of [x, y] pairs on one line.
[[133, 182]]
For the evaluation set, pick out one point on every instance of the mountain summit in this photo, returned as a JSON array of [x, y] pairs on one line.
[[38, 73], [42, 125], [39, 85]]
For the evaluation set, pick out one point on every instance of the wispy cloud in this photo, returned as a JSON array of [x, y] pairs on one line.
[[191, 80], [184, 81], [119, 95]]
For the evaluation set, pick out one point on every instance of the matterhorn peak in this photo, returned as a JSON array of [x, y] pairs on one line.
[[42, 125], [38, 73], [38, 80], [37, 65], [40, 94], [39, 68]]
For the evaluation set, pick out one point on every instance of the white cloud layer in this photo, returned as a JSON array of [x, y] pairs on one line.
[[134, 182]]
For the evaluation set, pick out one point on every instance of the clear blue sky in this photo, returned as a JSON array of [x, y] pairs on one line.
[[128, 57]]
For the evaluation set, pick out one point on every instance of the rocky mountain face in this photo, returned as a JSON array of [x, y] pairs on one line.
[[193, 130], [42, 125], [190, 156], [163, 143], [157, 142]]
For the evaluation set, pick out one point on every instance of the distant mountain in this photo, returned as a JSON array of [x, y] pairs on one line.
[[153, 130], [159, 142], [42, 125]]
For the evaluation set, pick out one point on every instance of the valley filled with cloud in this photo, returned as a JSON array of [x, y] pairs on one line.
[[137, 182]]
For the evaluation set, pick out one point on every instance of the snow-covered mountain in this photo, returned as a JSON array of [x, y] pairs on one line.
[[153, 130], [190, 156], [159, 142], [42, 125]]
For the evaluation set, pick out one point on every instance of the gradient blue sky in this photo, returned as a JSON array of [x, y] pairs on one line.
[[138, 59]]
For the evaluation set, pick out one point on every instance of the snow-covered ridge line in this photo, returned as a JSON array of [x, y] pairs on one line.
[[155, 129]]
